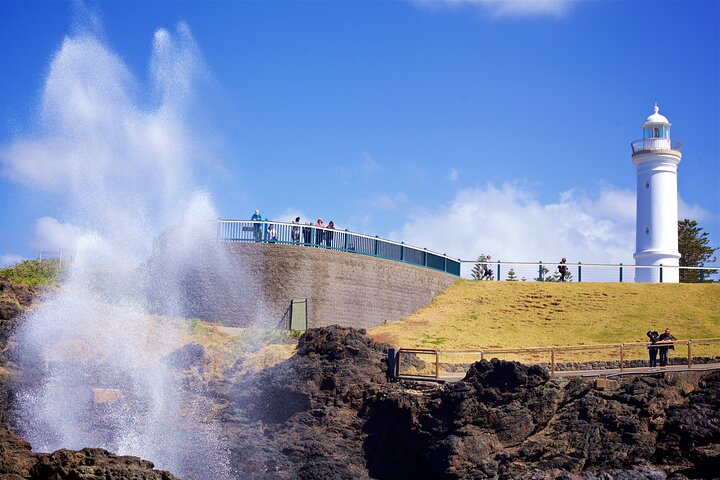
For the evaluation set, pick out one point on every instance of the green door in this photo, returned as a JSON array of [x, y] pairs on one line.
[[298, 315]]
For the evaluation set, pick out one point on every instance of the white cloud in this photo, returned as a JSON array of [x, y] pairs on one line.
[[693, 212], [512, 225], [7, 259], [52, 234], [453, 175], [385, 201], [505, 8]]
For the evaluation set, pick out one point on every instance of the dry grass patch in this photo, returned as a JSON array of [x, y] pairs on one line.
[[483, 315]]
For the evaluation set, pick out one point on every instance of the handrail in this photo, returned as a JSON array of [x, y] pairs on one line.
[[599, 265], [570, 347], [553, 351], [655, 143], [267, 231]]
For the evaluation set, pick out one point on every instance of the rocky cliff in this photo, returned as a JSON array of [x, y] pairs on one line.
[[17, 461], [329, 412]]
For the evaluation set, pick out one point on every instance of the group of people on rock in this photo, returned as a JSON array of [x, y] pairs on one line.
[[299, 233], [654, 349]]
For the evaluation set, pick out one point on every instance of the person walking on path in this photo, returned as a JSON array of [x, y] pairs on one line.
[[487, 271], [257, 234], [653, 350], [562, 269], [665, 337], [329, 233]]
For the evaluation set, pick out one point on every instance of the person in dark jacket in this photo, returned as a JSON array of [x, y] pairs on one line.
[[652, 350], [665, 337], [329, 233]]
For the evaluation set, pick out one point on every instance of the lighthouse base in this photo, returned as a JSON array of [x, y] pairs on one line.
[[668, 273]]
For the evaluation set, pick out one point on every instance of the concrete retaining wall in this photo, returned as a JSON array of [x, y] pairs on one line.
[[257, 282]]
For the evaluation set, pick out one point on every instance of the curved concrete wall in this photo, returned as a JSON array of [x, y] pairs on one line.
[[258, 281]]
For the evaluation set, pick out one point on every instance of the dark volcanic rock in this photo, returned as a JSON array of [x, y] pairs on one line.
[[17, 462], [329, 412], [187, 356]]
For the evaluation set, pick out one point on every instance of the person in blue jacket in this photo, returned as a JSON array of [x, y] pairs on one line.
[[257, 232]]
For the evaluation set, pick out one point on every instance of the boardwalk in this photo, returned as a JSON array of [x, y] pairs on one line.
[[605, 360]]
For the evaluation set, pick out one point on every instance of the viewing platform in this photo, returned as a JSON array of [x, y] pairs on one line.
[[334, 239], [656, 145]]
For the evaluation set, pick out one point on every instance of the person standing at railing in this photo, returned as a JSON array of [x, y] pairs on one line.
[[257, 232], [665, 337], [653, 350], [307, 233], [271, 234], [319, 232], [295, 232], [329, 233]]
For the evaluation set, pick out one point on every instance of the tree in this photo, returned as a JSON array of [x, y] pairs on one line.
[[544, 277], [511, 277], [479, 268], [695, 251]]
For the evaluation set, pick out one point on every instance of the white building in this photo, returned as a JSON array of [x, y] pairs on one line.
[[656, 160]]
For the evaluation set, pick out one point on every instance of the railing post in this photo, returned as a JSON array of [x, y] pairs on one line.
[[437, 365], [661, 265], [444, 262], [402, 251], [540, 272], [689, 353], [701, 275], [498, 274], [552, 361], [622, 357], [621, 273], [425, 258], [346, 239], [392, 354], [376, 245], [579, 272], [482, 355]]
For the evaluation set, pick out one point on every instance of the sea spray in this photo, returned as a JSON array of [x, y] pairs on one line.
[[123, 168]]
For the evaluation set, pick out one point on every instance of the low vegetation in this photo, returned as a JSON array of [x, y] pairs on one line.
[[36, 273], [257, 348]]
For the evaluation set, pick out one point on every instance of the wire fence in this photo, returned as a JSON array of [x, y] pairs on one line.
[[588, 272]]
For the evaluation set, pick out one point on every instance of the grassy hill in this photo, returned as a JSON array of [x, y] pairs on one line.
[[473, 314]]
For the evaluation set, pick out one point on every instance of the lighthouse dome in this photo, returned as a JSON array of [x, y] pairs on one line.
[[656, 118]]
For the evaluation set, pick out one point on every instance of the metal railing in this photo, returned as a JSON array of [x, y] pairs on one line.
[[647, 144], [593, 272], [570, 360], [334, 239]]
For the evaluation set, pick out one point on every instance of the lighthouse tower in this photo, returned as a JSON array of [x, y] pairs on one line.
[[656, 240]]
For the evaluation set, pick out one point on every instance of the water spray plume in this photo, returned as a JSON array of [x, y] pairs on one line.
[[124, 171]]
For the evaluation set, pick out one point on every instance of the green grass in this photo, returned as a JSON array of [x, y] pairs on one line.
[[37, 273], [487, 315]]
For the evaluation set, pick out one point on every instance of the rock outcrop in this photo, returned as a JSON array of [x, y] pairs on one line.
[[17, 461], [329, 412]]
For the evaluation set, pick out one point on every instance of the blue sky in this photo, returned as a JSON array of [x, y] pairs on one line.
[[464, 127]]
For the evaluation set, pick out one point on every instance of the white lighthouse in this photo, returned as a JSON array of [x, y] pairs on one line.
[[656, 160]]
